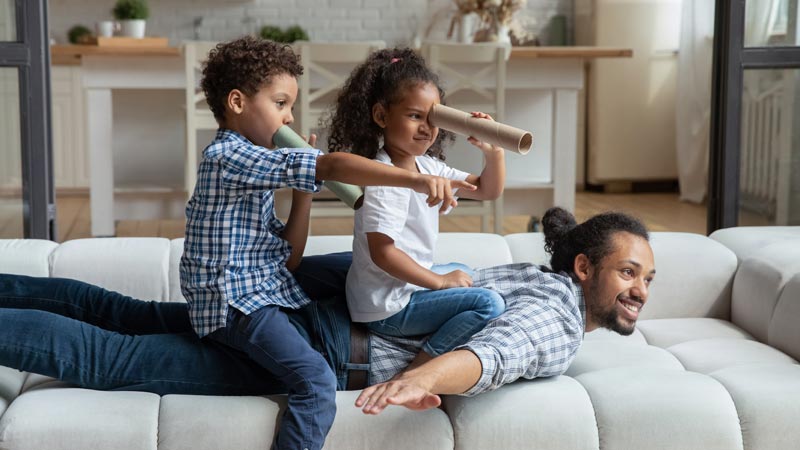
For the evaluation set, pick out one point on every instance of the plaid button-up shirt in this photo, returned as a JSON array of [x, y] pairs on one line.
[[233, 253], [538, 335]]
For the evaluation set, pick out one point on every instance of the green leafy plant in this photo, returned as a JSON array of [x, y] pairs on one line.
[[296, 33], [79, 34], [130, 10], [289, 35], [272, 33]]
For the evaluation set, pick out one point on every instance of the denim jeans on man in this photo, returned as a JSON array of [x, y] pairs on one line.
[[452, 315], [99, 339]]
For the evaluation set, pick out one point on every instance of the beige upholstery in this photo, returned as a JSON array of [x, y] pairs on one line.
[[693, 375]]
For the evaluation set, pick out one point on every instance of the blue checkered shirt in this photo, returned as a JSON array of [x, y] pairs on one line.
[[233, 253], [538, 335]]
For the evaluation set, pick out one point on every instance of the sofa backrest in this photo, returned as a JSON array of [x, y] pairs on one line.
[[694, 277]]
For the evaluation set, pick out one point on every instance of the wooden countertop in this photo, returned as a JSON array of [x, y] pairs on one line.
[[570, 52], [71, 54]]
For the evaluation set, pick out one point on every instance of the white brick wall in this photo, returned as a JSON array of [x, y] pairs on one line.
[[394, 21]]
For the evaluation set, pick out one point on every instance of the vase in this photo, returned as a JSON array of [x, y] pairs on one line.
[[503, 36], [466, 28], [132, 28]]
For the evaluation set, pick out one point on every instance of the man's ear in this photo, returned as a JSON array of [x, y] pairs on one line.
[[379, 115], [582, 267], [235, 101]]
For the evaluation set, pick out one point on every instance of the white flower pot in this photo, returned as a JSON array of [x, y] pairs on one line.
[[132, 28]]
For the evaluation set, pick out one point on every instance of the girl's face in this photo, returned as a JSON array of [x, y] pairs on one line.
[[405, 124]]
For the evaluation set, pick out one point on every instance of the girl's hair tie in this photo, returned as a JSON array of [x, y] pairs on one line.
[[394, 60]]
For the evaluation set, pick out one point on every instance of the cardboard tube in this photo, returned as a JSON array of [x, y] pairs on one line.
[[495, 133], [285, 137]]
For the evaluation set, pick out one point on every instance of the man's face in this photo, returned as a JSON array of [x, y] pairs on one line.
[[617, 289]]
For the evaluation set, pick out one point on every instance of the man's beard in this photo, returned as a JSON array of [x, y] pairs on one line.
[[608, 318]]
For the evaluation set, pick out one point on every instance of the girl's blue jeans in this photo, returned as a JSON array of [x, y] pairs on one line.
[[451, 315]]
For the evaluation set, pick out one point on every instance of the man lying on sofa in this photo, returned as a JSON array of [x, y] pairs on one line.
[[601, 270]]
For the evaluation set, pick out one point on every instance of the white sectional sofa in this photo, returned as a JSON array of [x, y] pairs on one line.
[[712, 364]]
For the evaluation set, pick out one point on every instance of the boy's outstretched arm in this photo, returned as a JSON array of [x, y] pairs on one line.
[[492, 179], [360, 171], [419, 388], [296, 230]]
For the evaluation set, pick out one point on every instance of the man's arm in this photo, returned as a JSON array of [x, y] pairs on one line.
[[419, 388]]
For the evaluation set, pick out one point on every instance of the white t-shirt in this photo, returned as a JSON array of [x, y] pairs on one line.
[[404, 216]]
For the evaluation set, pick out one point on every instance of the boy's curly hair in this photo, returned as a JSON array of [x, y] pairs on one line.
[[383, 78], [248, 64]]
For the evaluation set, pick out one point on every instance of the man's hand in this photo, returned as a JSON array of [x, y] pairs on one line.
[[456, 279], [440, 190], [374, 399]]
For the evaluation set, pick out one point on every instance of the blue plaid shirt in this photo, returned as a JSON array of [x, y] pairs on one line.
[[538, 335], [233, 253]]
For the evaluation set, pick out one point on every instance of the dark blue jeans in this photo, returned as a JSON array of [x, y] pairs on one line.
[[100, 339]]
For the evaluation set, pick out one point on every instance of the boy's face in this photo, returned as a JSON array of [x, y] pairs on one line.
[[260, 116], [405, 123]]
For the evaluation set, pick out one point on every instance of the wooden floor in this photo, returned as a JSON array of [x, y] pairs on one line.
[[659, 211]]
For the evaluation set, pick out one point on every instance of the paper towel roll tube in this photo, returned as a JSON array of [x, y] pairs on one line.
[[495, 133], [285, 137]]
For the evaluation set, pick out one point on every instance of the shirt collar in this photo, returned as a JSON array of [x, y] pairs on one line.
[[224, 134]]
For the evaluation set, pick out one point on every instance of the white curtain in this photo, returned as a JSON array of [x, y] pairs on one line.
[[693, 106]]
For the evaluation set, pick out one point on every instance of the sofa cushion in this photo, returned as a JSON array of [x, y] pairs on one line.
[[694, 276], [203, 422], [26, 256], [668, 332], [174, 274], [11, 381], [65, 419], [744, 241], [784, 332], [656, 408], [476, 250], [709, 355], [525, 414], [136, 267], [767, 398], [600, 355], [528, 247], [758, 286]]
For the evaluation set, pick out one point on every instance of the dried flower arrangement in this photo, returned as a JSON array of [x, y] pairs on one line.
[[493, 14]]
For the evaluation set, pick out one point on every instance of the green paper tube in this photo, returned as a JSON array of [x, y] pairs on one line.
[[285, 137]]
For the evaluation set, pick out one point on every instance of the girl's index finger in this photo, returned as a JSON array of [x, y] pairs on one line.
[[462, 184]]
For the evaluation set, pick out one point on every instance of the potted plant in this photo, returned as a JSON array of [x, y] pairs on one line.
[[131, 15], [289, 35]]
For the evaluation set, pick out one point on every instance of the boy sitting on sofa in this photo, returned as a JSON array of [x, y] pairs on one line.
[[238, 257]]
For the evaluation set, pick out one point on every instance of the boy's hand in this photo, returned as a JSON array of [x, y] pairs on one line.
[[456, 279], [486, 148], [440, 190], [312, 141]]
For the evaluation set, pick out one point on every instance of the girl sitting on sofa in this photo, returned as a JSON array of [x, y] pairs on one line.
[[382, 114]]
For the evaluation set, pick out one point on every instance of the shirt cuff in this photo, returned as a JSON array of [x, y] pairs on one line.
[[488, 369], [302, 170]]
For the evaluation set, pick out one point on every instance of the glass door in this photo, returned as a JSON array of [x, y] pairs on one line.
[[755, 144], [26, 187]]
